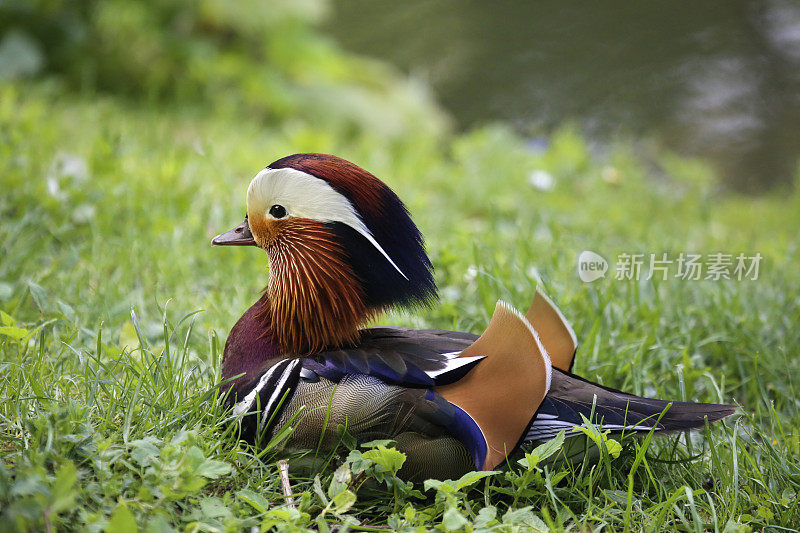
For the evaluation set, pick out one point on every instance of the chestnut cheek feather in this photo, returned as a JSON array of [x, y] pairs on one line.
[[315, 300], [264, 230]]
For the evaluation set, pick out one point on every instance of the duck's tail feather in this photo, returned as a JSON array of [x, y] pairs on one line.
[[572, 400]]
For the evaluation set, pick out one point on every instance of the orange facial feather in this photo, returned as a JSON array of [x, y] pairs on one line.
[[315, 300]]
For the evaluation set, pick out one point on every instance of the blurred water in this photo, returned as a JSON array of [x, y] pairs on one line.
[[717, 78]]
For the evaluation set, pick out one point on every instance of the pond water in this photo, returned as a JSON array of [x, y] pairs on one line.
[[718, 79]]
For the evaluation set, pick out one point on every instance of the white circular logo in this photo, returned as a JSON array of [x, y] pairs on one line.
[[591, 266]]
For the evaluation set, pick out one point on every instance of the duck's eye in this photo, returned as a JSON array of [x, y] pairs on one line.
[[277, 211]]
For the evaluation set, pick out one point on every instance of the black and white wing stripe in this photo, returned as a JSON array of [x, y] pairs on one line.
[[263, 403]]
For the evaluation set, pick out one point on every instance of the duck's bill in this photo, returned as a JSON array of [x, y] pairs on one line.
[[238, 236]]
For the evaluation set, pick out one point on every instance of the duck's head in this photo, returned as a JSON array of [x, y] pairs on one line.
[[341, 246]]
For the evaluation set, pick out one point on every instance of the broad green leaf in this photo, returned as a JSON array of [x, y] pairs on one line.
[[358, 463], [213, 469], [159, 524], [322, 524], [68, 311], [486, 517], [193, 459], [256, 500], [765, 513], [39, 296], [344, 501], [341, 480], [543, 451], [122, 521], [440, 486], [317, 486], [555, 479], [143, 451], [526, 518], [453, 520], [14, 332], [388, 458], [283, 515], [614, 448], [63, 494], [470, 478], [6, 319], [213, 507], [432, 484]]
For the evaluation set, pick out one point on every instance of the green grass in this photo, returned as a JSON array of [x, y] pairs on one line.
[[116, 309]]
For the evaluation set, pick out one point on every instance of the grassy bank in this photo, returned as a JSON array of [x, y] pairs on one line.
[[115, 309]]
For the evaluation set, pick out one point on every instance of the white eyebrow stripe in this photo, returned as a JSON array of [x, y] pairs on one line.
[[307, 196]]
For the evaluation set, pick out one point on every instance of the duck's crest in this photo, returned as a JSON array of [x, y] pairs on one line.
[[407, 282]]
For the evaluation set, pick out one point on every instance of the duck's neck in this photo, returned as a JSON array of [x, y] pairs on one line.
[[300, 313], [250, 346], [315, 300]]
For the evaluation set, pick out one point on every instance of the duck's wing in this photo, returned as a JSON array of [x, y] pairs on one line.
[[399, 356]]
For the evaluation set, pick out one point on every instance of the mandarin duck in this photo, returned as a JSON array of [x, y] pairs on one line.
[[342, 249]]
